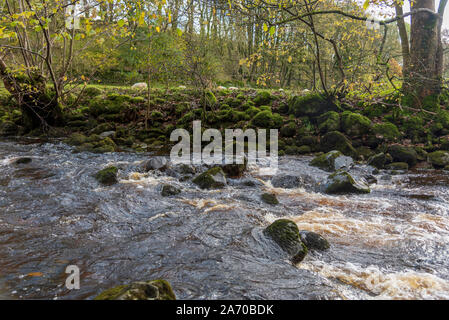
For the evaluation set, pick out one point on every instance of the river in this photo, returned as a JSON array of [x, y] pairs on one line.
[[390, 244]]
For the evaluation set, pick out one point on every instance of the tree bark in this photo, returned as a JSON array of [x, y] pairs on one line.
[[424, 75]]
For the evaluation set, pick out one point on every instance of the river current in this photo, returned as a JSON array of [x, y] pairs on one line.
[[390, 244]]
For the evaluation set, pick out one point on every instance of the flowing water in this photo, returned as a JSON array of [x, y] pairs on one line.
[[390, 244]]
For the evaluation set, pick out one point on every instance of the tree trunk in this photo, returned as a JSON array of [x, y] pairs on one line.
[[424, 75], [40, 108]]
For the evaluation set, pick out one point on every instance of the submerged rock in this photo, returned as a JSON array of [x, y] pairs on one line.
[[341, 182], [148, 290], [314, 241], [439, 159], [157, 163], [213, 178], [286, 181], [286, 234], [331, 161], [107, 176], [270, 198], [169, 190], [23, 160]]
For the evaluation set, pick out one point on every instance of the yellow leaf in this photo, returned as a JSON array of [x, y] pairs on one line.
[[35, 274]]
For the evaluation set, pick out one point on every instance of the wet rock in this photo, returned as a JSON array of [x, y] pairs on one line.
[[402, 166], [335, 140], [213, 178], [403, 154], [185, 169], [370, 178], [157, 163], [169, 190], [313, 241], [148, 290], [286, 181], [286, 234], [331, 161], [107, 176], [270, 198], [439, 159], [234, 170], [341, 182], [23, 161]]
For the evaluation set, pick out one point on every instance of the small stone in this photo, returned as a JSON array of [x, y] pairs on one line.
[[270, 198], [314, 241], [169, 190]]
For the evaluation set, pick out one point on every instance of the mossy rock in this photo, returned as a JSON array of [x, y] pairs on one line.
[[378, 161], [355, 124], [311, 105], [8, 128], [401, 166], [403, 154], [289, 130], [341, 182], [234, 170], [286, 234], [268, 120], [387, 130], [103, 128], [76, 139], [262, 98], [439, 159], [213, 178], [414, 129], [92, 92], [330, 121], [332, 161], [335, 140], [304, 150], [107, 176], [209, 99], [364, 152], [269, 198], [148, 290]]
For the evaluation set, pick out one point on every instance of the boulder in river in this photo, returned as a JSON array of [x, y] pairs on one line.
[[314, 241], [379, 160], [331, 161], [169, 190], [341, 182], [156, 163], [145, 290], [107, 176], [336, 140], [439, 159], [401, 166], [269, 198], [213, 178], [286, 234], [286, 181]]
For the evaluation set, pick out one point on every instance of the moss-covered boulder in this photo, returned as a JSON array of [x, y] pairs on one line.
[[169, 190], [286, 234], [76, 139], [235, 170], [213, 178], [341, 182], [330, 121], [387, 131], [268, 120], [378, 161], [289, 130], [107, 176], [269, 198], [335, 140], [311, 105], [262, 98], [304, 150], [314, 241], [403, 154], [439, 159], [355, 124], [397, 166], [331, 161], [145, 290]]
